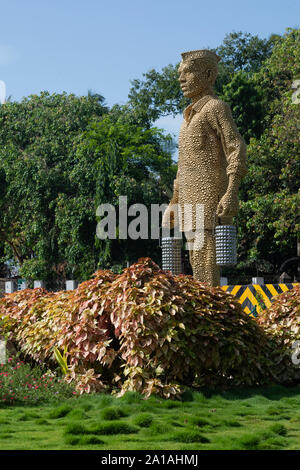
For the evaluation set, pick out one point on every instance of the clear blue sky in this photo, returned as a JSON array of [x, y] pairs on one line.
[[74, 46]]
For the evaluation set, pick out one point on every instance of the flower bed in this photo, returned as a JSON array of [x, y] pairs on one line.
[[19, 383]]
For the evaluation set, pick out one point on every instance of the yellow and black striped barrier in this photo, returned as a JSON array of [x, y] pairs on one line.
[[253, 296]]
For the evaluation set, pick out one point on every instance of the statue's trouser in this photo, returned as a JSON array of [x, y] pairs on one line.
[[202, 255]]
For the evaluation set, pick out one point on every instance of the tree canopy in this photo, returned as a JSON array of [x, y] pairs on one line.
[[269, 216], [37, 152], [60, 156]]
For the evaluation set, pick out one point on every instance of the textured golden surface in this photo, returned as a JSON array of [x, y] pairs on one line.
[[211, 163]]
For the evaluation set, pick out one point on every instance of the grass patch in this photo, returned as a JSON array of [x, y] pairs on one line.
[[60, 412], [112, 413], [116, 427], [75, 428], [200, 422], [231, 423], [72, 440], [273, 411], [244, 420], [279, 429], [76, 413], [23, 417], [90, 440], [188, 436], [273, 443], [248, 442], [131, 397], [170, 405], [158, 428], [41, 421], [144, 420], [83, 440], [4, 421]]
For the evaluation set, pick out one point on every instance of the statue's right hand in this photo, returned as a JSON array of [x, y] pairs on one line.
[[168, 220]]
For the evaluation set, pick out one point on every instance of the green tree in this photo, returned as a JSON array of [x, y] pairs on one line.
[[158, 94], [60, 157], [117, 158], [269, 216], [242, 51], [37, 154], [278, 72], [246, 101]]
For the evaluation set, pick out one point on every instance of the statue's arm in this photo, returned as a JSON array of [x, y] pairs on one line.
[[234, 149], [169, 217], [233, 144], [174, 199]]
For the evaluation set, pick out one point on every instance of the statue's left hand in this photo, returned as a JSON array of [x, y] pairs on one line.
[[228, 205]]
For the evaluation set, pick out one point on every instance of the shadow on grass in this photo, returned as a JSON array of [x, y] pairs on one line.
[[271, 392]]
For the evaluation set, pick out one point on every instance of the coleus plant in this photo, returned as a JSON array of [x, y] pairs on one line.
[[177, 331], [144, 330], [70, 320], [282, 319]]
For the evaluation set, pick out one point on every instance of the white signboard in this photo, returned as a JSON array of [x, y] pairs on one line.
[[2, 92], [2, 352]]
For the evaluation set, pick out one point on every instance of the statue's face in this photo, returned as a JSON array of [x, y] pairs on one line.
[[194, 79]]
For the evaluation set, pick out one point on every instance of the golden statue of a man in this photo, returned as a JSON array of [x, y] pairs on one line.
[[211, 163]]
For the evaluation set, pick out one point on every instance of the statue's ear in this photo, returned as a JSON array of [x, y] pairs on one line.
[[209, 74]]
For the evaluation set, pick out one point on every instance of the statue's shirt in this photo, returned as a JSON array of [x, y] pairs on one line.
[[210, 148]]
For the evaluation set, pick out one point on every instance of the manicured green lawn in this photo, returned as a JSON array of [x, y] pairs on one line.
[[260, 418]]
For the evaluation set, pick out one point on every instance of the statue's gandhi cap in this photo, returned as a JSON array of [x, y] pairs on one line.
[[205, 54]]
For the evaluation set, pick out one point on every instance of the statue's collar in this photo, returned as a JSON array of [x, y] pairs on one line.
[[196, 107]]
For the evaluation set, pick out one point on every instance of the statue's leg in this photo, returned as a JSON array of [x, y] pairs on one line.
[[203, 260]]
